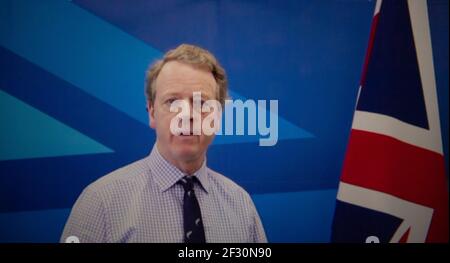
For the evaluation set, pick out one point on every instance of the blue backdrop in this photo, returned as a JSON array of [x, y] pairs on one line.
[[72, 105]]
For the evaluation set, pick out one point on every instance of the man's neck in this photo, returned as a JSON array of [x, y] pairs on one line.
[[189, 168]]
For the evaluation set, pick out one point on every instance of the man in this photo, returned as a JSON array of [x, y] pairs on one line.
[[171, 195]]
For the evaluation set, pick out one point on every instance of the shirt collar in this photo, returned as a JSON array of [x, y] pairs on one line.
[[167, 174]]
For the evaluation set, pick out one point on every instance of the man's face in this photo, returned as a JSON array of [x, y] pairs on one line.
[[178, 81]]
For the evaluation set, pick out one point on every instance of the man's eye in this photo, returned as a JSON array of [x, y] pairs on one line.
[[170, 101]]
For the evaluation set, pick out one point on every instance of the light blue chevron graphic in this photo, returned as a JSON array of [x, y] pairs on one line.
[[29, 133], [93, 55], [81, 49]]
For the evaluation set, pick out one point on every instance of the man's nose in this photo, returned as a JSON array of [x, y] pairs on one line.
[[185, 114], [194, 113]]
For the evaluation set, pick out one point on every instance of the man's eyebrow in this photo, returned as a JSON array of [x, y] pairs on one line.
[[169, 94], [205, 96]]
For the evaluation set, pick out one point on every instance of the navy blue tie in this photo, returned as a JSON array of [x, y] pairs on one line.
[[192, 217]]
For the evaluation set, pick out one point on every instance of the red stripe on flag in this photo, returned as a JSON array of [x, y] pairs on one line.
[[404, 238], [403, 170], [373, 28]]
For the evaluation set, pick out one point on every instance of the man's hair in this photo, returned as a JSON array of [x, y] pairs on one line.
[[192, 55]]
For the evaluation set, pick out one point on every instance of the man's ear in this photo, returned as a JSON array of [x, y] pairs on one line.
[[151, 115]]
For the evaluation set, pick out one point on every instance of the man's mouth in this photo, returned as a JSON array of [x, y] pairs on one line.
[[187, 134]]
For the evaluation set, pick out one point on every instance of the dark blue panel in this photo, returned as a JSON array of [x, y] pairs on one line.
[[48, 183], [282, 168], [393, 86], [355, 223]]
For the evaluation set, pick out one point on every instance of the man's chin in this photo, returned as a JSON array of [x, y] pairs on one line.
[[187, 153]]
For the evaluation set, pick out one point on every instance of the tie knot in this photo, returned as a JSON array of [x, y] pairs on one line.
[[187, 182]]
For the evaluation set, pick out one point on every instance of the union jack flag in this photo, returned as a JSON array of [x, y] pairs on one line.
[[393, 186]]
